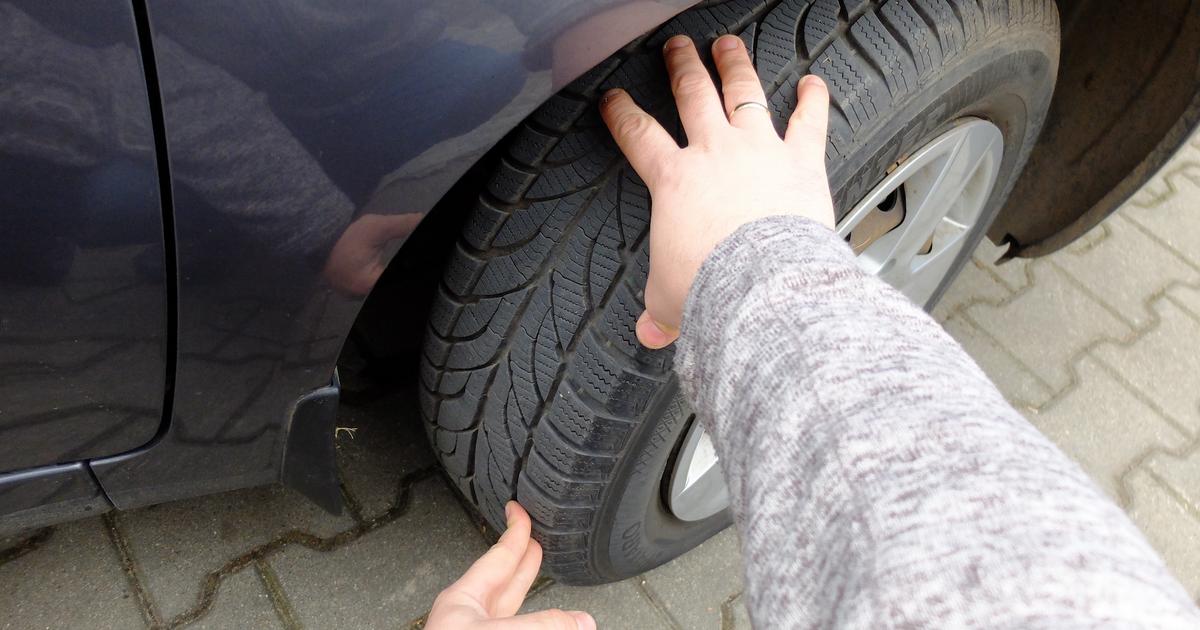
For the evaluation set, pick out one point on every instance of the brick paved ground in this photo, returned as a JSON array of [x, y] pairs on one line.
[[1097, 345]]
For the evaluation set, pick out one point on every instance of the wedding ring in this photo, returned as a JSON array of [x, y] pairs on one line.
[[741, 106]]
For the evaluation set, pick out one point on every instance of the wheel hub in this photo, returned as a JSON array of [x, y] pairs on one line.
[[909, 230]]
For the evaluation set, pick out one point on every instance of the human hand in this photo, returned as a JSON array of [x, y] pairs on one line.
[[492, 590], [734, 170]]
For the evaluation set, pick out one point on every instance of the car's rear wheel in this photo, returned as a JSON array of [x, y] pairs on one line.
[[534, 385]]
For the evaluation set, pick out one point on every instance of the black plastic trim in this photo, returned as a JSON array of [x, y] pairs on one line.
[[310, 455]]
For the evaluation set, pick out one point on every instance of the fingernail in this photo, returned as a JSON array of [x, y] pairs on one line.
[[811, 79], [652, 334], [678, 41], [508, 511], [583, 621], [728, 42], [609, 95]]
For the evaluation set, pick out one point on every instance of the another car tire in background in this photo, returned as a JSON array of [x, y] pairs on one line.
[[534, 386]]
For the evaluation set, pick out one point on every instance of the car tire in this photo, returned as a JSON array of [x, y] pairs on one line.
[[534, 386]]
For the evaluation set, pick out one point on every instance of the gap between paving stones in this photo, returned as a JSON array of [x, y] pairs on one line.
[[1166, 484], [279, 599], [727, 621], [1154, 321], [211, 583], [648, 593]]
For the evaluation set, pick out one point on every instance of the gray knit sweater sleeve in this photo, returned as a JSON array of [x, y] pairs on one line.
[[878, 478]]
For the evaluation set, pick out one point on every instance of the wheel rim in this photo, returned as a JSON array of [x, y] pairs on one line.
[[697, 489], [909, 230], [941, 190]]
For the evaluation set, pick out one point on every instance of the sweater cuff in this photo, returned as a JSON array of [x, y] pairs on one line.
[[731, 270]]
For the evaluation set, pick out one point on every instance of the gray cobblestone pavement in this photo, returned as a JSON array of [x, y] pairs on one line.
[[1096, 344]]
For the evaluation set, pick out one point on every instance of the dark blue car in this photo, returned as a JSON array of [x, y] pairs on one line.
[[205, 203]]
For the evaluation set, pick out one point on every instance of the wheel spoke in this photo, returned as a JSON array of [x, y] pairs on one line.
[[705, 496], [868, 204], [972, 150], [697, 488], [934, 182], [933, 192], [961, 194], [925, 278], [927, 195]]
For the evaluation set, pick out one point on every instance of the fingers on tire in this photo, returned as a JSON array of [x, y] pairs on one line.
[[740, 84], [695, 95]]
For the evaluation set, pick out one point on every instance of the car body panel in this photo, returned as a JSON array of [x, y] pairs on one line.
[[83, 321], [294, 128]]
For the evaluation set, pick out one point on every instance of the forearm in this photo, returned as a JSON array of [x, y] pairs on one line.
[[877, 476]]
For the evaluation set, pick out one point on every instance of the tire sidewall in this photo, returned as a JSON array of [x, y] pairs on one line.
[[635, 529]]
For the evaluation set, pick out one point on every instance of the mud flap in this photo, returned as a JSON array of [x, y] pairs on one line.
[[310, 457]]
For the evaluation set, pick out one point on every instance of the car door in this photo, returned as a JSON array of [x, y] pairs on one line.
[[83, 273]]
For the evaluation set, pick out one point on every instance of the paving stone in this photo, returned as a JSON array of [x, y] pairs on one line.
[[389, 576], [1180, 473], [74, 580], [1167, 207], [619, 605], [1188, 297], [739, 615], [378, 443], [242, 602], [693, 586], [177, 544], [1048, 324], [974, 283], [1104, 427], [987, 253], [1015, 274], [1018, 383], [1164, 364], [1170, 526], [1126, 269]]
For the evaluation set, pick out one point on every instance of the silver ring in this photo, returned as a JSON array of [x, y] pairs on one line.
[[741, 106]]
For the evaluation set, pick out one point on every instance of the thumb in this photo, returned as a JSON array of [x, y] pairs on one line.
[[653, 334], [553, 619]]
